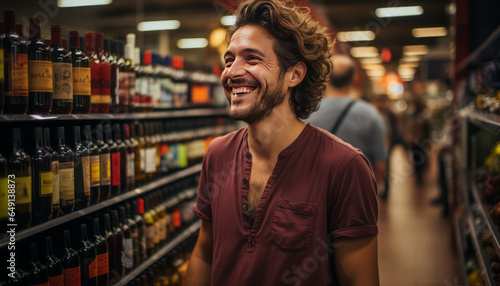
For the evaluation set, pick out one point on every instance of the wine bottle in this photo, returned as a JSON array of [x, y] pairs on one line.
[[141, 226], [131, 144], [153, 203], [111, 47], [122, 147], [135, 234], [88, 258], [38, 273], [150, 228], [20, 278], [104, 75], [81, 76], [162, 217], [94, 72], [130, 70], [110, 240], [150, 153], [20, 167], [62, 102], [39, 71], [128, 243], [66, 173], [95, 173], [105, 164], [101, 246], [41, 164], [55, 173], [15, 67], [118, 234], [82, 172], [71, 263], [4, 203], [53, 265], [64, 43], [123, 81], [140, 155], [115, 161]]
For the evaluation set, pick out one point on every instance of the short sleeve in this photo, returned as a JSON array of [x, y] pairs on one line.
[[354, 212], [202, 208]]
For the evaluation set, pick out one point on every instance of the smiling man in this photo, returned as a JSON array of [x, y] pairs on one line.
[[282, 202]]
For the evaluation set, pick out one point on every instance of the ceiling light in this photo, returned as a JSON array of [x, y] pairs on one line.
[[409, 65], [429, 32], [356, 36], [375, 73], [217, 37], [228, 20], [410, 59], [364, 52], [192, 43], [374, 60], [80, 3], [158, 25], [406, 72], [415, 50], [399, 11], [373, 67]]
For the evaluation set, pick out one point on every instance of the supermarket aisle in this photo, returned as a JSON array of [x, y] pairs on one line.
[[415, 241]]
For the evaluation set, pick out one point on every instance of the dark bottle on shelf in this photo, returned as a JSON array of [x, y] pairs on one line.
[[129, 55], [150, 227], [141, 227], [16, 91], [39, 71], [128, 243], [82, 172], [124, 187], [20, 166], [162, 216], [62, 98], [130, 147], [123, 81], [108, 235], [101, 246], [135, 234], [115, 161], [20, 278], [64, 42], [95, 173], [70, 263], [94, 72], [153, 203], [88, 258], [105, 164], [38, 273], [150, 151], [66, 173], [101, 82], [118, 234], [111, 48], [140, 156], [41, 164], [55, 173], [81, 76], [4, 210], [53, 265]]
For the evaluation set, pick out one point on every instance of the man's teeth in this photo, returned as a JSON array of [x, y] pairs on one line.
[[241, 90]]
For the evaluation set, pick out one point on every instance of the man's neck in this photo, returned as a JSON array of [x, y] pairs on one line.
[[268, 137]]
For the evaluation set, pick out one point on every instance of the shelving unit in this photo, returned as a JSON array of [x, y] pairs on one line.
[[480, 254], [484, 52]]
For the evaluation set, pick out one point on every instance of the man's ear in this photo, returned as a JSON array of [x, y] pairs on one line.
[[296, 74]]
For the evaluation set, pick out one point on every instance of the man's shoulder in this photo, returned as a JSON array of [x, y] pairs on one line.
[[227, 142], [331, 147]]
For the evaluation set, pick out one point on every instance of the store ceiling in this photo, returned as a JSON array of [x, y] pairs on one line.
[[199, 17]]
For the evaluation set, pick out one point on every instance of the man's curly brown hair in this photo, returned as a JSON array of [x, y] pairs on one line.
[[298, 38]]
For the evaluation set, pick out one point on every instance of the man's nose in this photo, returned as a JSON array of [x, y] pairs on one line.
[[236, 69]]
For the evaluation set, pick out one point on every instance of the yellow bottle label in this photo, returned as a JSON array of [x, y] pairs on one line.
[[67, 181], [81, 81], [2, 76], [95, 171], [40, 76], [17, 67], [23, 190], [45, 184], [3, 198], [86, 175], [63, 81], [95, 99], [55, 182]]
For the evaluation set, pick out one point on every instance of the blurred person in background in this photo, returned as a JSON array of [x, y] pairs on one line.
[[354, 121], [280, 194]]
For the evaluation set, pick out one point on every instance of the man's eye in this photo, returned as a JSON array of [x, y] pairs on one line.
[[253, 58], [228, 61]]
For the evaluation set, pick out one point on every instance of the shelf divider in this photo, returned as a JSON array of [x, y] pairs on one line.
[[483, 210], [104, 204], [487, 50], [480, 254], [162, 252]]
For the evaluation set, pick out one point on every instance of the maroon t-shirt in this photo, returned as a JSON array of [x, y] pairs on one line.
[[320, 188]]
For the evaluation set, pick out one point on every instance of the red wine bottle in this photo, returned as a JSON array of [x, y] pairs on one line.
[[62, 98], [15, 67], [41, 164], [38, 273], [39, 71], [4, 208], [66, 173], [55, 173], [101, 246], [117, 136], [115, 161], [71, 263], [111, 48], [128, 243], [95, 174], [88, 259], [20, 278], [134, 230], [53, 265], [139, 219], [81, 76], [105, 164], [82, 172], [118, 234], [64, 42], [129, 165], [110, 238], [20, 167], [95, 100], [102, 82]]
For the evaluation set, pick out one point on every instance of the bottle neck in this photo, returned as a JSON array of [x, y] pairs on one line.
[[99, 134], [107, 222], [48, 244], [16, 140], [46, 137], [34, 254], [84, 232], [60, 136], [86, 136], [116, 133], [35, 28], [97, 232], [38, 139], [107, 132], [78, 139]]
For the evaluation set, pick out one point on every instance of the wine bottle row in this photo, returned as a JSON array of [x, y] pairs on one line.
[[92, 163], [96, 75], [103, 248]]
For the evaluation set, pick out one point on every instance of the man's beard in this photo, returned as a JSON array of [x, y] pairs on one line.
[[261, 109]]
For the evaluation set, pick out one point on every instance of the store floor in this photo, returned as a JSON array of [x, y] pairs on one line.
[[415, 241]]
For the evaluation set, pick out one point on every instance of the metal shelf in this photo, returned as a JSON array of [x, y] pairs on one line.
[[116, 200], [162, 252], [483, 210], [487, 121], [481, 259], [459, 240], [488, 50], [193, 112]]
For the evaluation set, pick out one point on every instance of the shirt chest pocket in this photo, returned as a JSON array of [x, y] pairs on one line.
[[293, 224]]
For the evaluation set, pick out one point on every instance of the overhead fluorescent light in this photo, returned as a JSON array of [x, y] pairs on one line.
[[192, 43], [406, 72], [415, 50], [364, 52], [228, 20], [356, 36], [375, 73], [410, 59], [81, 3], [373, 67], [429, 32], [374, 60], [389, 12], [158, 25]]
